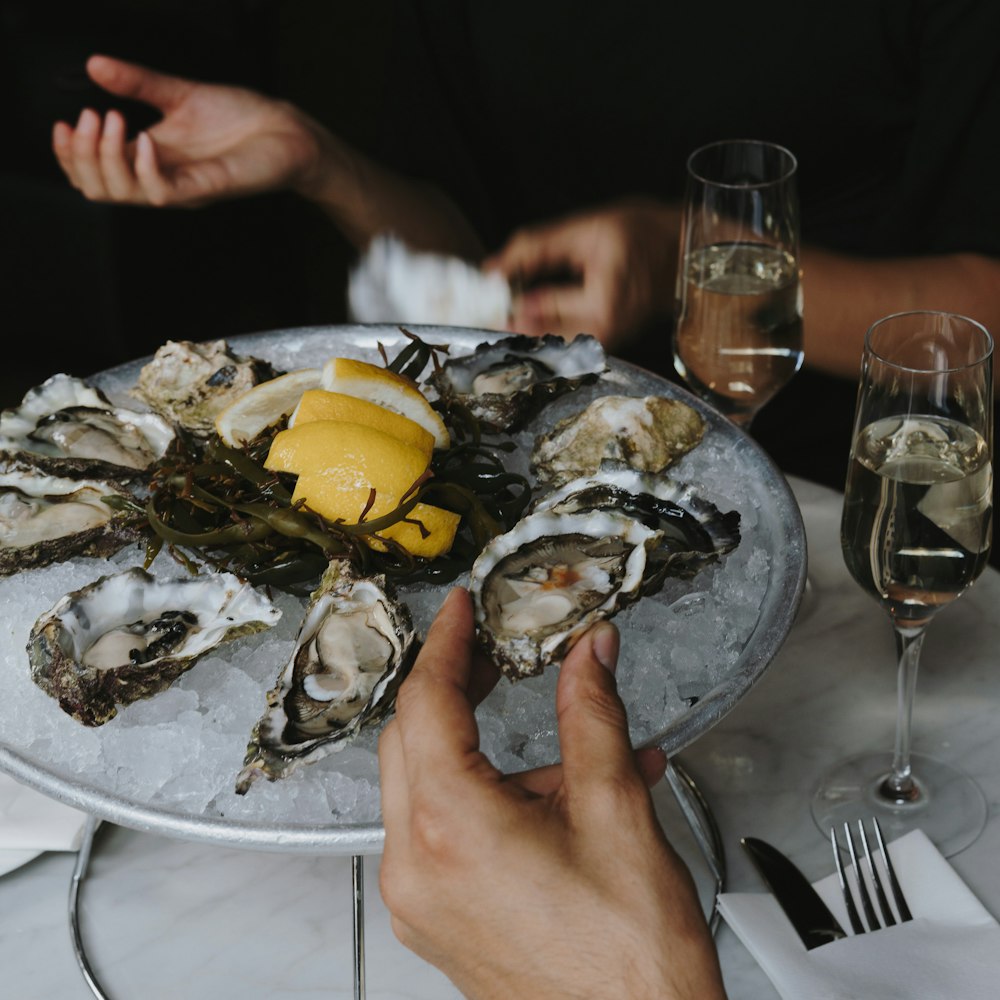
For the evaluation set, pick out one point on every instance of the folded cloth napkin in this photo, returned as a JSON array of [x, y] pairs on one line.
[[31, 823], [951, 948], [393, 284]]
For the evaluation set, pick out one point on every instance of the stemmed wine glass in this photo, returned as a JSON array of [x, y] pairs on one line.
[[738, 323], [915, 533]]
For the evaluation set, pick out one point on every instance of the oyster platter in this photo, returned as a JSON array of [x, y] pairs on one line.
[[218, 563]]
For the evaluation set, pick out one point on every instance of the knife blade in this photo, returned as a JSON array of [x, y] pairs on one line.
[[809, 915]]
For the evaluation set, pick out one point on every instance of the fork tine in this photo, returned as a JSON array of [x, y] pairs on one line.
[[883, 903], [866, 900], [852, 910], [897, 891]]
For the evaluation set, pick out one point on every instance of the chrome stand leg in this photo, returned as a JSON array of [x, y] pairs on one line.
[[79, 871], [698, 814], [358, 879]]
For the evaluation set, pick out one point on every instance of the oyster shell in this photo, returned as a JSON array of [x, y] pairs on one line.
[[129, 635], [354, 647], [506, 382], [67, 427], [536, 588], [695, 532], [649, 433], [44, 519], [192, 383]]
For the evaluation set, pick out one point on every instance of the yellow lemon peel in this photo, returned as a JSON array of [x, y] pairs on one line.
[[386, 388]]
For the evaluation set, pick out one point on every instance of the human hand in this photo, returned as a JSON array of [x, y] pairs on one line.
[[621, 262], [550, 883], [212, 142]]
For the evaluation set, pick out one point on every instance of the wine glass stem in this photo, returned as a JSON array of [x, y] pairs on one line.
[[899, 785]]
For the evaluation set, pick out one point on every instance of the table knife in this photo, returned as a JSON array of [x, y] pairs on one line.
[[809, 915]]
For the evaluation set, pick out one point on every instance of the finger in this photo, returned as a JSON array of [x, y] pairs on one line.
[[436, 720], [151, 181], [593, 727], [115, 168], [85, 159], [651, 762], [393, 782], [62, 146], [558, 309], [533, 251], [137, 82], [483, 678]]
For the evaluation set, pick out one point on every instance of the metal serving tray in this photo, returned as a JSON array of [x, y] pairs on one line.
[[727, 465]]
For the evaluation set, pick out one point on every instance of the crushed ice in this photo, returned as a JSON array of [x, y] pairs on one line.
[[182, 749]]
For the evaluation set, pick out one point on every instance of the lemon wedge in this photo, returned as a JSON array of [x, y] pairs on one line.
[[386, 388], [319, 404], [266, 403], [440, 524], [349, 455], [330, 497]]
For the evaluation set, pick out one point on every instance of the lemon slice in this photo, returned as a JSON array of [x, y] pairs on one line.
[[319, 404], [440, 524], [386, 388], [266, 403], [330, 497], [350, 455]]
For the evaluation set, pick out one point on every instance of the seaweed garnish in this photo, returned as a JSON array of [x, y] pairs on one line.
[[211, 503]]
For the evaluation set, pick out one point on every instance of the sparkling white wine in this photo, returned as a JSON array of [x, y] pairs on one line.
[[738, 336], [917, 521]]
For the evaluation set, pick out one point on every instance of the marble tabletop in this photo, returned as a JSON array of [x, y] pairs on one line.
[[164, 918]]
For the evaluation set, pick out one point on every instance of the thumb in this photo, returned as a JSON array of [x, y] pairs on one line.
[[537, 250], [593, 726], [137, 82]]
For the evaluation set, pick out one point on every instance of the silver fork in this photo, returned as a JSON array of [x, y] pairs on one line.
[[874, 876]]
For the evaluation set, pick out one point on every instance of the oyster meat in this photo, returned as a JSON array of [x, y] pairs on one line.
[[507, 382], [649, 433], [191, 383], [536, 588], [45, 519], [354, 647], [129, 636], [695, 532], [67, 427]]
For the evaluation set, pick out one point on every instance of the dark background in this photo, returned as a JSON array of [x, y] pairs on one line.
[[87, 286]]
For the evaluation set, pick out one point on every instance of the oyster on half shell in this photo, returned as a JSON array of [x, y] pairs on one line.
[[191, 383], [67, 427], [536, 588], [648, 433], [44, 519], [506, 382], [355, 645], [130, 635], [695, 532]]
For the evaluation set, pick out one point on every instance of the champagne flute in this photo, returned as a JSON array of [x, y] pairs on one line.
[[738, 322], [915, 533]]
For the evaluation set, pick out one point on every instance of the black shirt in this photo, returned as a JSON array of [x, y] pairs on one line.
[[523, 111], [527, 110]]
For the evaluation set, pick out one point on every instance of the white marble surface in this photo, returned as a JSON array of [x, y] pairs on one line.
[[165, 918]]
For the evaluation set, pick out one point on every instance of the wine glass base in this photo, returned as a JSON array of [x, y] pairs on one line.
[[950, 807]]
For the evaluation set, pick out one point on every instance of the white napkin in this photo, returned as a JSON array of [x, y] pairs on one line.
[[951, 948], [31, 823], [393, 284]]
